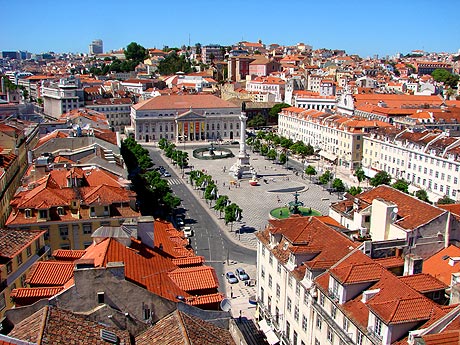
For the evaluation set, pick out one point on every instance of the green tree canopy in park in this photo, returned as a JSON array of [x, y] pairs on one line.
[[421, 194], [273, 113], [382, 177]]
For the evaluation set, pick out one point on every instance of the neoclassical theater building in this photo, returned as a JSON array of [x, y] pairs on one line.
[[185, 117]]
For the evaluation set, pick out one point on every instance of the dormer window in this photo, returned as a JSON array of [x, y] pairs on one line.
[[28, 213], [60, 211], [92, 211], [43, 214], [106, 210]]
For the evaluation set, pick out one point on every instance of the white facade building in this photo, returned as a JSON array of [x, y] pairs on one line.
[[185, 118]]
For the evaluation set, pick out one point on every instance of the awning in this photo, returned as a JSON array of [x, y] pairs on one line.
[[369, 172], [272, 339], [264, 327], [329, 156]]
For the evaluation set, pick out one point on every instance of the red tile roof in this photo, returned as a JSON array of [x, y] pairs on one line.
[[50, 273], [412, 212], [195, 278], [174, 102], [439, 265], [67, 254], [423, 283], [12, 242]]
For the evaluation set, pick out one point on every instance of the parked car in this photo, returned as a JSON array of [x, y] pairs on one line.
[[166, 174], [241, 274], [188, 232], [232, 279]]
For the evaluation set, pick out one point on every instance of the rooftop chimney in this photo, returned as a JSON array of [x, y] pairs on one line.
[[145, 230]]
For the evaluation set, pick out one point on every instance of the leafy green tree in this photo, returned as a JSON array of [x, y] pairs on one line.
[[421, 194], [276, 109], [445, 200], [162, 143], [310, 171], [442, 75], [221, 204], [360, 175], [135, 52], [382, 177], [286, 143], [283, 158], [338, 185], [257, 145], [171, 201], [174, 63], [257, 121], [264, 149], [271, 154], [325, 177], [261, 135], [401, 185], [355, 190], [232, 213]]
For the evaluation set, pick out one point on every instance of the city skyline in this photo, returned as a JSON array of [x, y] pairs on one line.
[[355, 26]]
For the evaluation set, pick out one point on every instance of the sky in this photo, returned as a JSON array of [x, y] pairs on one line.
[[363, 27]]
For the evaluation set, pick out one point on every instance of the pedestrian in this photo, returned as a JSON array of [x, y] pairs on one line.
[[278, 198], [223, 184]]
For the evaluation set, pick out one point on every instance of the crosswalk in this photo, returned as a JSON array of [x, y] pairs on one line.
[[174, 181]]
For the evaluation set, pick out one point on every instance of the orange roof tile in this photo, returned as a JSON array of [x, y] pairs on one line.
[[195, 278], [439, 265], [423, 283], [50, 273]]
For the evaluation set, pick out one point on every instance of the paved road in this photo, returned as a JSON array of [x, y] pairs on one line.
[[209, 239]]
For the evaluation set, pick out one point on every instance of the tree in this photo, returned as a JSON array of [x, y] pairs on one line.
[[232, 213], [445, 200], [271, 154], [273, 113], [257, 121], [442, 75], [286, 143], [221, 204], [421, 194], [325, 178], [174, 63], [310, 171], [360, 175], [401, 185], [355, 190], [210, 192], [382, 177], [283, 158], [338, 185], [135, 52]]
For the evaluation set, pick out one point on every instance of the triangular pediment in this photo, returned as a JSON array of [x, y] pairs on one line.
[[190, 115]]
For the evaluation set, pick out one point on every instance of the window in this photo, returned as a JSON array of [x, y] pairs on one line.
[[270, 259], [9, 267], [106, 210], [304, 323], [92, 211], [28, 251], [333, 311], [288, 329], [297, 288], [270, 280], [346, 324], [290, 281], [330, 334], [289, 304], [319, 321], [278, 290], [278, 269], [262, 272], [317, 342], [63, 230], [294, 338], [359, 338], [321, 300], [23, 280], [263, 251], [296, 313], [262, 294], [60, 211], [28, 213], [87, 229], [43, 214], [305, 297], [378, 326], [19, 259]]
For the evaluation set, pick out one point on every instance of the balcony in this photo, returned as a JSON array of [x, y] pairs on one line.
[[333, 295], [373, 336]]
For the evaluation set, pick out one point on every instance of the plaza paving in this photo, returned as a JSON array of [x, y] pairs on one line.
[[257, 201]]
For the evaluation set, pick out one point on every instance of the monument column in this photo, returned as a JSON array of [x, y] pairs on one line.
[[242, 164]]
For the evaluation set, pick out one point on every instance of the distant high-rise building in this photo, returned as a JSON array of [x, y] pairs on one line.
[[96, 47]]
